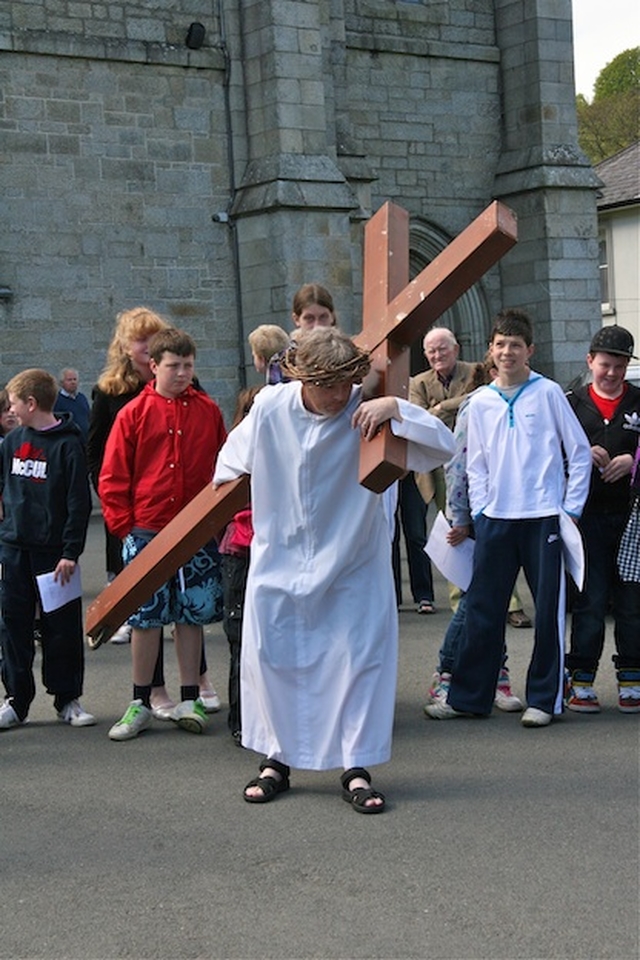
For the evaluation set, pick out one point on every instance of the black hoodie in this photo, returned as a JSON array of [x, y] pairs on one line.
[[616, 437], [45, 489]]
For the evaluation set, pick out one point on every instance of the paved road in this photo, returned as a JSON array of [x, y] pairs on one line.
[[499, 842]]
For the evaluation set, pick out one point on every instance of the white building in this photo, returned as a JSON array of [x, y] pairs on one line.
[[619, 235]]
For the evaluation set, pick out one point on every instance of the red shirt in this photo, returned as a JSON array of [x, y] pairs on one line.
[[606, 405], [160, 453]]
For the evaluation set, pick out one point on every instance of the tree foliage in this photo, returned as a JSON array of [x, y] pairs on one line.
[[612, 121], [622, 75]]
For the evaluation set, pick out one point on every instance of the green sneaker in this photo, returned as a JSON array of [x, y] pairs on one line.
[[136, 718], [191, 715]]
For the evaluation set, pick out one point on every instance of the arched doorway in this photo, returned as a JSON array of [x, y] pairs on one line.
[[469, 316]]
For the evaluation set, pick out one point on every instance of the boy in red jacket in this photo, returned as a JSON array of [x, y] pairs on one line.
[[160, 453]]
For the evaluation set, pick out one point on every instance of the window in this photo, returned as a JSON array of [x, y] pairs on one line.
[[605, 273]]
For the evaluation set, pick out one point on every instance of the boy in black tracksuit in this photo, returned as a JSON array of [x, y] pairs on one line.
[[608, 409], [46, 506]]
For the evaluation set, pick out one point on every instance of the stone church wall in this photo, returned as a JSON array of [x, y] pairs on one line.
[[209, 183]]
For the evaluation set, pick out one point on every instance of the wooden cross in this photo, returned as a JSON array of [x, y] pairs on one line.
[[395, 314]]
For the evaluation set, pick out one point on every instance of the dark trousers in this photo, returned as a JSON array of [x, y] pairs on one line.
[[62, 636], [502, 547], [411, 518], [603, 586], [234, 569]]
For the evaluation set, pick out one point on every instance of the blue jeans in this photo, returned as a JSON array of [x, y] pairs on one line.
[[602, 533], [412, 515], [454, 637]]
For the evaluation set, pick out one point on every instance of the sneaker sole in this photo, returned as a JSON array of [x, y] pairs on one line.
[[582, 708], [190, 724]]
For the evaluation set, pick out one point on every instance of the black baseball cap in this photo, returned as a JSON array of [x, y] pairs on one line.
[[613, 339]]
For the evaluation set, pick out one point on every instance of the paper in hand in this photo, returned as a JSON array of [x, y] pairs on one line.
[[54, 594], [572, 549], [454, 563]]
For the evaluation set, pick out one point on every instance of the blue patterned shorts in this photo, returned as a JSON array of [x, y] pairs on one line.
[[192, 595]]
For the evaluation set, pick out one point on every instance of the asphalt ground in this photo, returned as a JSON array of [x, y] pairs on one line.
[[498, 841]]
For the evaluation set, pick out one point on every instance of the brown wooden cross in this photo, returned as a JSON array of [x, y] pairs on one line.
[[395, 314]]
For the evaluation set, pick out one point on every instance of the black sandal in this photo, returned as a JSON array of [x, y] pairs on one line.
[[359, 795], [269, 785]]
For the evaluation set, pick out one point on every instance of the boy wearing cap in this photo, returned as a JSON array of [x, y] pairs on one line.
[[607, 408]]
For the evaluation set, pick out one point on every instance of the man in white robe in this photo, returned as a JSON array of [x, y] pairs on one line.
[[320, 629]]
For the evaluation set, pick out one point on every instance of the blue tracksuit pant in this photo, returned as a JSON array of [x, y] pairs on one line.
[[502, 547]]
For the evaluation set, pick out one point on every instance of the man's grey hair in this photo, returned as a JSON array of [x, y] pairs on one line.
[[441, 330]]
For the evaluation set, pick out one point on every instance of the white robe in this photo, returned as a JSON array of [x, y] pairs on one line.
[[320, 629]]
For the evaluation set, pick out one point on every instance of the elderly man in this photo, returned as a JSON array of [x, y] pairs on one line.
[[441, 389], [70, 400], [433, 391]]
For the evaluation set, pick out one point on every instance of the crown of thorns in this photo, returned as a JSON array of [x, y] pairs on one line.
[[354, 369]]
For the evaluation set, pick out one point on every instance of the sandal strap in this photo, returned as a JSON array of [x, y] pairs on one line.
[[358, 797], [351, 774], [280, 768], [268, 785]]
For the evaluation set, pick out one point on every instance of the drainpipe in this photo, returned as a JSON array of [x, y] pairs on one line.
[[225, 217]]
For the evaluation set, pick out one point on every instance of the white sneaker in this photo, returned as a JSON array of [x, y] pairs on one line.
[[505, 699], [441, 710], [73, 714], [210, 700], [628, 699], [8, 717], [533, 717], [136, 718], [122, 634], [191, 716]]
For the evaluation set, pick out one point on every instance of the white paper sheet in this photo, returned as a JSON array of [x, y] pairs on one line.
[[572, 549], [454, 563], [55, 594]]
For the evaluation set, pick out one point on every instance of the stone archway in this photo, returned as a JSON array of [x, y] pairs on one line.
[[469, 317]]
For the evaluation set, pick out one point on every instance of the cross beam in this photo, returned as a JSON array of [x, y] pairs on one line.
[[396, 312], [196, 524]]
